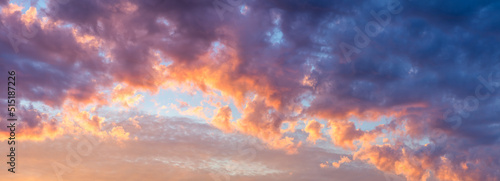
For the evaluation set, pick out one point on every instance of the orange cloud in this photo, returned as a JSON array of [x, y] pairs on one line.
[[417, 164], [29, 17], [342, 160], [222, 119], [393, 159], [258, 120], [323, 165], [313, 128], [11, 8], [119, 133], [344, 133], [126, 96], [285, 143], [197, 111]]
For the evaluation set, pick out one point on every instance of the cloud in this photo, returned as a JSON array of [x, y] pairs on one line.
[[344, 134], [344, 159], [427, 65], [313, 128], [185, 109], [175, 148], [263, 122], [126, 96], [419, 163], [222, 119], [119, 133]]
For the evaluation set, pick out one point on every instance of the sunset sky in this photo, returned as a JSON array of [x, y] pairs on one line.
[[241, 90]]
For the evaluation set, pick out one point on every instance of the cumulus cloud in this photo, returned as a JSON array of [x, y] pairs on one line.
[[222, 119], [313, 128], [126, 96], [342, 160]]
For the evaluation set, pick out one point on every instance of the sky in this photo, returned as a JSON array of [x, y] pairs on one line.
[[241, 90]]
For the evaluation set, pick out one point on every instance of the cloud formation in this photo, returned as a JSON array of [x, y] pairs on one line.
[[432, 73]]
